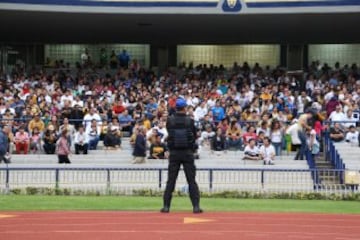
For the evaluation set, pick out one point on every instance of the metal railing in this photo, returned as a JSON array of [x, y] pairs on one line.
[[126, 180]]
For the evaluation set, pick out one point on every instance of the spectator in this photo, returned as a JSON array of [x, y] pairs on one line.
[[233, 134], [112, 138], [352, 136], [293, 131], [76, 116], [70, 130], [50, 139], [4, 144], [276, 137], [349, 119], [36, 122], [337, 115], [35, 141], [139, 151], [126, 121], [22, 141], [218, 112], [200, 111], [249, 134], [264, 127], [336, 133], [206, 136], [81, 141], [124, 59], [90, 117], [93, 133], [267, 152], [218, 143], [251, 151], [158, 150], [313, 144], [118, 108], [302, 128], [63, 148]]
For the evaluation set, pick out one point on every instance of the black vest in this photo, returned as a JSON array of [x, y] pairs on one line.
[[181, 136]]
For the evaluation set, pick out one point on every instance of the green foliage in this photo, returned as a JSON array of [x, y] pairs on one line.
[[351, 196]]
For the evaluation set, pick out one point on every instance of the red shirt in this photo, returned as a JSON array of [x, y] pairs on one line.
[[117, 109], [247, 136]]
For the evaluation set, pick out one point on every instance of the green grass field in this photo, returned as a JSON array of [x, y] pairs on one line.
[[33, 203]]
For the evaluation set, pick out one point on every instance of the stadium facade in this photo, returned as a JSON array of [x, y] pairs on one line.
[[290, 33]]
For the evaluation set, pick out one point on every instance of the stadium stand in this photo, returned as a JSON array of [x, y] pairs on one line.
[[241, 103]]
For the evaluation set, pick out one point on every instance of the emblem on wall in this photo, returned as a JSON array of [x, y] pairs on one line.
[[231, 6]]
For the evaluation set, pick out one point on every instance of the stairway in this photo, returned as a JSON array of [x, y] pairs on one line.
[[328, 176]]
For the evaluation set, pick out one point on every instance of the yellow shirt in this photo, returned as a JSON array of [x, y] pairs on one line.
[[39, 124]]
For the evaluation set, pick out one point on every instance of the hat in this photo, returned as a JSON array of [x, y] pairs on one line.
[[180, 103]]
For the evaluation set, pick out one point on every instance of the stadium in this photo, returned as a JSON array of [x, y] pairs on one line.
[[272, 86]]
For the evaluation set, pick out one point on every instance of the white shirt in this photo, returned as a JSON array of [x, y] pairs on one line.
[[87, 120], [293, 130], [12, 111], [352, 137], [351, 121], [81, 137], [337, 116], [80, 103], [276, 136], [66, 98], [200, 113], [328, 96], [251, 151], [268, 152]]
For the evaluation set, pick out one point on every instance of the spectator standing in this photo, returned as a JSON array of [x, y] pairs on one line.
[[124, 59], [4, 144], [139, 151], [63, 148], [276, 136]]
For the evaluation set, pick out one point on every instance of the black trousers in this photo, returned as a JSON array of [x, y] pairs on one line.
[[176, 159], [83, 148], [63, 159]]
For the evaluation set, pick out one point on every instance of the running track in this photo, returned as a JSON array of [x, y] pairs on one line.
[[176, 226]]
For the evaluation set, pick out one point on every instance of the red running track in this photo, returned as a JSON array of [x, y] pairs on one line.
[[176, 226]]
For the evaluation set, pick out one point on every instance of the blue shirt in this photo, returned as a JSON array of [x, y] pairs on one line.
[[218, 113], [125, 119]]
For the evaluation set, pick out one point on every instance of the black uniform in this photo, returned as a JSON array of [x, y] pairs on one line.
[[181, 143]]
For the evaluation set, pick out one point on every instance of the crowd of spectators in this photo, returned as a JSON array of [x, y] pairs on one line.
[[234, 108]]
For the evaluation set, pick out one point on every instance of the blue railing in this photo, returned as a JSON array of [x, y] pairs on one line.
[[332, 154]]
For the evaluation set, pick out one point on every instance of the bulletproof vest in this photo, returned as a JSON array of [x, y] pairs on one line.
[[180, 133]]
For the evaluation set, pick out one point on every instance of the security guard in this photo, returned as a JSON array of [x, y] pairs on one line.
[[181, 143]]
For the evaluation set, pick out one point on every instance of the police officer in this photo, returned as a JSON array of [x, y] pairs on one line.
[[181, 143]]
